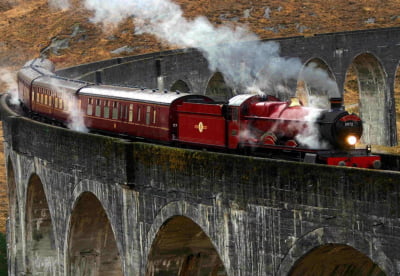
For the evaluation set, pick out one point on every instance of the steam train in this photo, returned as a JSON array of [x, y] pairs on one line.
[[247, 123]]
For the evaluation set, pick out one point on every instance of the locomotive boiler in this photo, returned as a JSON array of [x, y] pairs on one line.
[[247, 123]]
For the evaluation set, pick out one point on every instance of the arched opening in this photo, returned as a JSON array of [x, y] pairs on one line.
[[335, 259], [372, 91], [181, 86], [14, 236], [351, 95], [41, 254], [92, 248], [316, 84], [217, 88], [182, 248]]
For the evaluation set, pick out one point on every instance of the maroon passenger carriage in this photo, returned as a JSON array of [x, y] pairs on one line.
[[247, 123], [136, 112]]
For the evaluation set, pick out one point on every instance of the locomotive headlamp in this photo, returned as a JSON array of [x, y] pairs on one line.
[[351, 140]]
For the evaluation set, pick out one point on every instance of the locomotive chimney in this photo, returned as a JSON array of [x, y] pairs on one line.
[[336, 103]]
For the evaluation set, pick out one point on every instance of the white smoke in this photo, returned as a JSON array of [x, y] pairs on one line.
[[60, 4], [310, 136], [8, 78], [234, 51], [75, 114]]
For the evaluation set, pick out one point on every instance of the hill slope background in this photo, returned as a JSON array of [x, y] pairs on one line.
[[29, 28]]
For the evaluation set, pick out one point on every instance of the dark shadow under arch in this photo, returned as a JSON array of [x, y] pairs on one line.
[[217, 88], [182, 248], [41, 254], [92, 248], [335, 259]]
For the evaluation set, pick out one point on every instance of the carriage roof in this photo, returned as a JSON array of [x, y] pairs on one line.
[[136, 94]]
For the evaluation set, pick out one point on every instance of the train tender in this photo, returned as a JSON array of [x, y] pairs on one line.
[[247, 123]]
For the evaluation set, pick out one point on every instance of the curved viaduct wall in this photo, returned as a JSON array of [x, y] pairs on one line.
[[83, 204], [374, 56]]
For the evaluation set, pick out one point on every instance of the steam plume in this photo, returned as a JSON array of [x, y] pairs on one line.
[[8, 78], [236, 52], [75, 116], [60, 4]]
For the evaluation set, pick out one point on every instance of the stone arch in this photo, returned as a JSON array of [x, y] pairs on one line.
[[41, 253], [175, 213], [182, 248], [335, 259], [181, 86], [329, 240], [316, 84], [218, 89], [372, 90], [14, 236], [91, 245]]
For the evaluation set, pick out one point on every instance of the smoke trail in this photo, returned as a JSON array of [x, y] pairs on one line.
[[310, 136], [75, 114], [60, 4], [236, 52], [8, 78]]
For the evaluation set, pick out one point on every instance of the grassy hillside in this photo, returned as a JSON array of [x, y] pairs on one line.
[[29, 26]]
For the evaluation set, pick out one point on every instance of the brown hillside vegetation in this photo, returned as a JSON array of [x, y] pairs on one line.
[[29, 27]]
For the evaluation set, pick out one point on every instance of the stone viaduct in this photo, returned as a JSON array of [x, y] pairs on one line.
[[86, 204]]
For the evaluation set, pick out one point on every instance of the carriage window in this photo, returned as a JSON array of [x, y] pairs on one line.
[[115, 111], [130, 112], [138, 113], [106, 110], [56, 103], [148, 114], [90, 107], [154, 115], [122, 112], [97, 113]]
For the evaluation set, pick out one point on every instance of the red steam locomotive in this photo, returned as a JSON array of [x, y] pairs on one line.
[[247, 123]]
